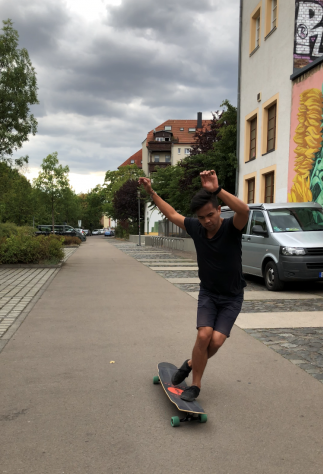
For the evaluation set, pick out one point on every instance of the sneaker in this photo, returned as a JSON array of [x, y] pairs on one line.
[[181, 373], [190, 393]]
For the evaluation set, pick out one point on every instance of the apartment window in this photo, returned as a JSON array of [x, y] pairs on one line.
[[271, 132], [156, 158], [257, 32], [179, 151], [251, 191], [253, 139], [192, 129], [182, 129], [255, 29], [132, 162], [167, 158], [168, 127], [269, 187], [187, 151], [160, 139], [274, 14]]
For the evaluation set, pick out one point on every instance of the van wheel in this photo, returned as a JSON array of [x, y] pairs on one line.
[[272, 281]]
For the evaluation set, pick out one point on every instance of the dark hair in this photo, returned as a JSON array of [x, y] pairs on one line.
[[202, 198]]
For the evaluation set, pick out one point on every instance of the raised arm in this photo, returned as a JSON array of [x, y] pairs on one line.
[[165, 208], [210, 182]]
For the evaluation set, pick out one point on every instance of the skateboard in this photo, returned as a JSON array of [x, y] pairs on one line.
[[165, 372]]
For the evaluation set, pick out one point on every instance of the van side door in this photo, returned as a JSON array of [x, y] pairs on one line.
[[254, 246]]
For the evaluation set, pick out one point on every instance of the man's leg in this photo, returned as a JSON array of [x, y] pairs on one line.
[[216, 342], [200, 354]]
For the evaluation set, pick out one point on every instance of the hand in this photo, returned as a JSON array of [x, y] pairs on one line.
[[209, 180], [146, 183]]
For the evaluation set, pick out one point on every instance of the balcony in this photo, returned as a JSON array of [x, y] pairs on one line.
[[152, 166], [159, 146]]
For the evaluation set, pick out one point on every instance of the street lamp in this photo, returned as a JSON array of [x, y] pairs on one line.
[[138, 196]]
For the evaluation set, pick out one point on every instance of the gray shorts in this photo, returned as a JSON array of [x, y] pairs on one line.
[[217, 311]]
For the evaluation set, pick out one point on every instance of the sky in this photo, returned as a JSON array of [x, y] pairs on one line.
[[109, 71]]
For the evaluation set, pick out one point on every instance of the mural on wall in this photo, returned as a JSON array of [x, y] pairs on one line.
[[305, 181], [308, 41]]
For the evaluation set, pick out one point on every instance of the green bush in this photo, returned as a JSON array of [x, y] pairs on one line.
[[9, 228], [70, 240], [24, 248]]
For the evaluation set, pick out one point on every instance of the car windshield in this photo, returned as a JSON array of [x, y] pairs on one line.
[[300, 219]]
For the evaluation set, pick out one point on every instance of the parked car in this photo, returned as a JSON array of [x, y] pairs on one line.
[[96, 232], [101, 231], [108, 233], [87, 232], [283, 242], [60, 230]]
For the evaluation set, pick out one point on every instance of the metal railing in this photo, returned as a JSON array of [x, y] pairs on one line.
[[173, 243]]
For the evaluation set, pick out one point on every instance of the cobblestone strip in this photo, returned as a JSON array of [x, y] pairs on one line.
[[17, 289], [302, 346]]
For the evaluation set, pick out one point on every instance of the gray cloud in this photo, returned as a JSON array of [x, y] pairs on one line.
[[104, 85]]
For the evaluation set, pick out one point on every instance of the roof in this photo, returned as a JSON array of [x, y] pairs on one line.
[[183, 136], [279, 205], [137, 157]]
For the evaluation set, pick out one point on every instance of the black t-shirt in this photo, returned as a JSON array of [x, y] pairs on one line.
[[219, 258]]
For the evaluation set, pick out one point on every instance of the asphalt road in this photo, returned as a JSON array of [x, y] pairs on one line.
[[66, 409]]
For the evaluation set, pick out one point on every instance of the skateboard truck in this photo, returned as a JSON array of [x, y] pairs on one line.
[[190, 417]]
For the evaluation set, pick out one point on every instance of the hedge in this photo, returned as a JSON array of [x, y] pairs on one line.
[[24, 248]]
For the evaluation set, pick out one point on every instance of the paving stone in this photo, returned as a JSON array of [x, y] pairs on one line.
[[18, 287]]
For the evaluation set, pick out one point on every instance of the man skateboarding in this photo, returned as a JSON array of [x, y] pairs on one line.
[[218, 247]]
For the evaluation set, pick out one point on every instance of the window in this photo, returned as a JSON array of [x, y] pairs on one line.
[[258, 218], [253, 139], [179, 150], [271, 132], [182, 129], [156, 158], [274, 14], [192, 129], [160, 139], [269, 187], [251, 191], [255, 29], [167, 158], [168, 127], [257, 43], [132, 162], [187, 151]]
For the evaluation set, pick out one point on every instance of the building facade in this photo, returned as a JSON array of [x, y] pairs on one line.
[[170, 142], [281, 49]]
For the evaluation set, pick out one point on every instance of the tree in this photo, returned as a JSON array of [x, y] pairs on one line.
[[92, 207], [113, 181], [125, 201], [16, 197], [52, 181], [18, 90], [206, 137]]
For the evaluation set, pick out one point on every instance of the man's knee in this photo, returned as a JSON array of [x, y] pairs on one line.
[[218, 340], [204, 336]]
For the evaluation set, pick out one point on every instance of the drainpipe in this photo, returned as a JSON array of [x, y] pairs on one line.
[[239, 100]]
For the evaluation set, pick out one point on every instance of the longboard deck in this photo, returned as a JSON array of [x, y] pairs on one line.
[[165, 372]]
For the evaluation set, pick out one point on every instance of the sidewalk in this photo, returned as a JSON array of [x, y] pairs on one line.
[[66, 409]]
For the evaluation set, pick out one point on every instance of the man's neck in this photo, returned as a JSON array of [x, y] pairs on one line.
[[210, 234]]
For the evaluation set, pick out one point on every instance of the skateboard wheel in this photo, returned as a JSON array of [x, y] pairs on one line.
[[174, 421], [156, 379], [203, 418]]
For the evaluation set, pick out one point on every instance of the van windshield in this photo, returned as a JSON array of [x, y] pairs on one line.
[[300, 219]]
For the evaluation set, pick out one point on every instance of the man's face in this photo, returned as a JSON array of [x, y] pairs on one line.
[[209, 216]]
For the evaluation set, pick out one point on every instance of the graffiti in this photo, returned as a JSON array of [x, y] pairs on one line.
[[308, 32], [307, 184]]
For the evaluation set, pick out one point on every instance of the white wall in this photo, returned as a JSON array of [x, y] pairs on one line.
[[267, 72]]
